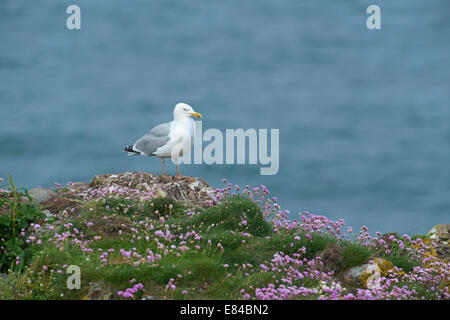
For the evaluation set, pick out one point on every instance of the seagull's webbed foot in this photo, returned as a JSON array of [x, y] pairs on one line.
[[180, 177]]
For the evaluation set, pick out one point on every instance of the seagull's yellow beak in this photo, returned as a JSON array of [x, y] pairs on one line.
[[196, 114]]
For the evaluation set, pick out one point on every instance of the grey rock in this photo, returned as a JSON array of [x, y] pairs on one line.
[[440, 234], [99, 291], [41, 195]]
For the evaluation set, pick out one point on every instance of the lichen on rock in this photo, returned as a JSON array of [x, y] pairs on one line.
[[360, 275]]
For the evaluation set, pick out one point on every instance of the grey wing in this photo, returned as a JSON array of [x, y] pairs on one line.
[[155, 138]]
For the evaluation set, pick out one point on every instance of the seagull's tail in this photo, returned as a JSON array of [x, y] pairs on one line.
[[131, 151]]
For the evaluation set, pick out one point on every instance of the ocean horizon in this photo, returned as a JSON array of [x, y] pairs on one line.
[[363, 115]]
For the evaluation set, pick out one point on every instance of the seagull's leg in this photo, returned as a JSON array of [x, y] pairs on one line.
[[179, 175], [178, 169], [162, 166]]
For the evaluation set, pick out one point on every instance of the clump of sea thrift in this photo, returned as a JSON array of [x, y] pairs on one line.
[[130, 292], [148, 242]]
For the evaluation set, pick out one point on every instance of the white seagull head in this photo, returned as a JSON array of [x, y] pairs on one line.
[[183, 110]]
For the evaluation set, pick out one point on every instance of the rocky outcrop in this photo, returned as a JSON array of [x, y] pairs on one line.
[[332, 257], [98, 291], [78, 188], [187, 190], [441, 235], [62, 203]]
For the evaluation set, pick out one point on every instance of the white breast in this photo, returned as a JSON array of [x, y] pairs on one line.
[[180, 138]]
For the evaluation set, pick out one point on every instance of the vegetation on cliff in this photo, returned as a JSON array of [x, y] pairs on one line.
[[230, 243]]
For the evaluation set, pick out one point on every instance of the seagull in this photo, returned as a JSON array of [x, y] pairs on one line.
[[169, 139]]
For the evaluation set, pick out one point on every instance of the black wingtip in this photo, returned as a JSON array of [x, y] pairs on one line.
[[129, 149]]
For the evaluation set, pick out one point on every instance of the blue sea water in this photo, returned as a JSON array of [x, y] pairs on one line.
[[364, 115]]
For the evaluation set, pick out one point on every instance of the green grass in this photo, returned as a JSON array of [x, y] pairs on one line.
[[355, 254], [157, 207], [404, 262], [233, 233], [231, 214], [17, 212]]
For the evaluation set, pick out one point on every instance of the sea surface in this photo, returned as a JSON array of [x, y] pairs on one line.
[[364, 115]]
